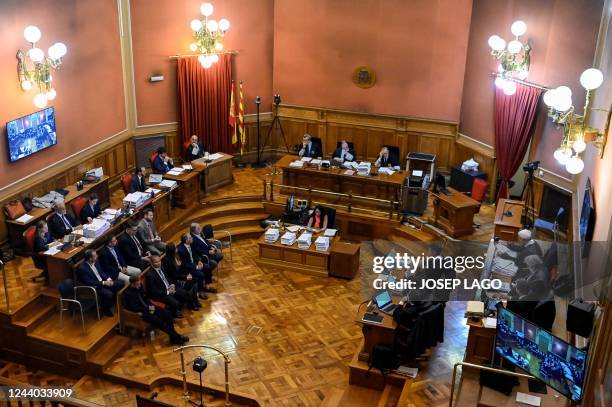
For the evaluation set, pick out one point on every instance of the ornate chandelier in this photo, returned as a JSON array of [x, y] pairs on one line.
[[513, 58], [576, 133], [207, 36], [39, 70]]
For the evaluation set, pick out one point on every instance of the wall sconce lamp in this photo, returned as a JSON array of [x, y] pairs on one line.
[[513, 59], [34, 68], [576, 132]]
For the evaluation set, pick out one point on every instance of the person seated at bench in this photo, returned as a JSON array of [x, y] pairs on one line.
[[309, 149], [139, 183], [61, 223], [192, 263], [147, 231], [91, 209], [185, 277], [161, 288], [162, 163], [203, 247], [42, 238], [195, 149], [385, 159], [344, 152], [135, 300], [114, 264], [132, 248], [91, 273], [318, 218]]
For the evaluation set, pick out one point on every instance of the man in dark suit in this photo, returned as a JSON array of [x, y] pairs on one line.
[[61, 223], [138, 180], [204, 248], [132, 248], [344, 152], [385, 159], [162, 163], [91, 209], [192, 263], [135, 299], [195, 150], [308, 148], [91, 273], [161, 288], [114, 264]]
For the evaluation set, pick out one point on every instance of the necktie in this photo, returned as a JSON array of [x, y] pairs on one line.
[[163, 277], [151, 235], [137, 245], [190, 255], [95, 271], [112, 250], [68, 225]]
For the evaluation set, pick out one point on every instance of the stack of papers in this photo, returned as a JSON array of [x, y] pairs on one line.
[[215, 156], [306, 159], [330, 232], [475, 309], [155, 191], [315, 162], [322, 243], [271, 235], [288, 238], [364, 168], [187, 167], [490, 322], [25, 218], [349, 172], [168, 184], [53, 249], [176, 171], [386, 170], [408, 371], [305, 240], [96, 228], [504, 267], [294, 228], [135, 199], [109, 214], [297, 164], [155, 178]]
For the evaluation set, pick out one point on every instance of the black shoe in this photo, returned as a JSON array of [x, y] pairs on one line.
[[177, 340], [210, 290], [202, 296], [178, 315], [107, 313], [184, 338]]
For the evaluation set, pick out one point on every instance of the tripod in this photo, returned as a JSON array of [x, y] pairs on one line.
[[276, 124], [529, 198]]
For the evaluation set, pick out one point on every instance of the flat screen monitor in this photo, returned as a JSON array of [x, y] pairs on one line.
[[540, 353], [31, 133]]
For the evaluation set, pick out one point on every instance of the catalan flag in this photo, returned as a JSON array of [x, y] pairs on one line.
[[232, 117], [241, 120]]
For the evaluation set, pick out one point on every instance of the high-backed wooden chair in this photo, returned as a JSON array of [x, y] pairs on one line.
[[126, 182], [77, 205]]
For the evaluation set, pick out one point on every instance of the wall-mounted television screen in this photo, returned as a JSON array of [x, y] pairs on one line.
[[540, 353], [31, 133]]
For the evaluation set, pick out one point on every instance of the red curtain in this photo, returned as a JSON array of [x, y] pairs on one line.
[[204, 102], [514, 117]]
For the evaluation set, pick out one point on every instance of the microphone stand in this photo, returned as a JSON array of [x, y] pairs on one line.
[[258, 164]]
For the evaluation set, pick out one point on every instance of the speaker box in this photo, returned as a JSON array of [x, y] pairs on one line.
[[580, 317]]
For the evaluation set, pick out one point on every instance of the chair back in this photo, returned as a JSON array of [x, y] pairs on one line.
[[77, 205], [152, 158], [350, 144], [66, 288], [317, 141], [331, 216], [479, 188], [208, 231], [28, 236], [126, 182], [393, 151]]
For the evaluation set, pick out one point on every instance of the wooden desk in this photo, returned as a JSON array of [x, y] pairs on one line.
[[480, 342], [61, 264], [215, 174], [344, 259], [381, 186], [454, 213], [188, 192], [508, 226], [16, 229], [308, 261], [375, 334]]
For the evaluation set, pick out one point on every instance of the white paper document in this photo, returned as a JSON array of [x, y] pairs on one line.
[[490, 322], [155, 178], [349, 172], [330, 232], [25, 218], [187, 167], [294, 228], [215, 156], [386, 170], [297, 164], [306, 159], [528, 399], [408, 371]]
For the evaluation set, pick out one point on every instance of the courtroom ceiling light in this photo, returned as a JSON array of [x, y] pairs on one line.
[[513, 58], [34, 68], [208, 35], [576, 132]]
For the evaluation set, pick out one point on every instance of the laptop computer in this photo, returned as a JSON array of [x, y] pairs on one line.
[[384, 303]]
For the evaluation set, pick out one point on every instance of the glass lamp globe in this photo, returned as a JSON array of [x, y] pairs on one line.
[[36, 54], [201, 59], [563, 104], [522, 74], [214, 58], [212, 26], [574, 165], [564, 92], [40, 100], [51, 94], [32, 34], [497, 43], [579, 146], [196, 25], [514, 47], [561, 155], [591, 79], [218, 46], [206, 9], [61, 48], [550, 97], [26, 85], [518, 28], [193, 47], [207, 63], [500, 82], [509, 88], [224, 24]]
